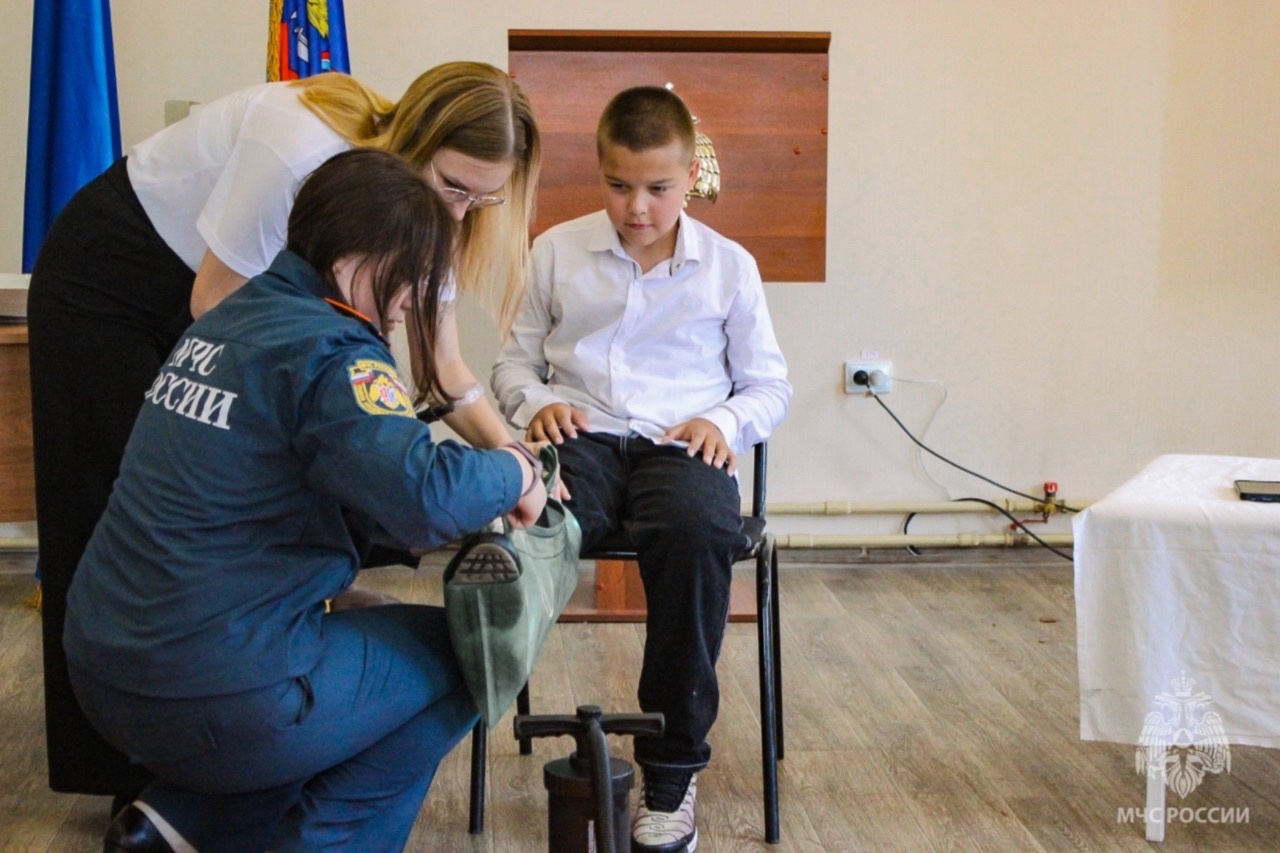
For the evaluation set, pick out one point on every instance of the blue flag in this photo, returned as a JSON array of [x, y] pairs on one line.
[[73, 124], [306, 37]]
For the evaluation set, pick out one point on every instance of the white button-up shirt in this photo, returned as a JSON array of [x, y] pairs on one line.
[[641, 353]]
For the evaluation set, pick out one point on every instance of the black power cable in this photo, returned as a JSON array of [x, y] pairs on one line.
[[1016, 522], [971, 473]]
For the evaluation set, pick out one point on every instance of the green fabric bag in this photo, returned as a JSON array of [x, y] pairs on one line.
[[502, 594]]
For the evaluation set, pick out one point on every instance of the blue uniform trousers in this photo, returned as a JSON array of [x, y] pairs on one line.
[[340, 758], [684, 518]]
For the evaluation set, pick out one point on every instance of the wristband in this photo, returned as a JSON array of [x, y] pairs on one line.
[[431, 414], [534, 461], [471, 395]]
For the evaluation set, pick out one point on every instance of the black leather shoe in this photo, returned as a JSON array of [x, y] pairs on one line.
[[133, 832]]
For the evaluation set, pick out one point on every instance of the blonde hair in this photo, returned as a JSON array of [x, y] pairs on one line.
[[474, 109]]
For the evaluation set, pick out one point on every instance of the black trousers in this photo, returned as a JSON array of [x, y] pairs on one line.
[[684, 518], [108, 301]]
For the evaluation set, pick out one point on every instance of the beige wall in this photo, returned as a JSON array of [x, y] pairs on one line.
[[1066, 212]]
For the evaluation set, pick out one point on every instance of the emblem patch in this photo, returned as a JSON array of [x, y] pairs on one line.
[[378, 390]]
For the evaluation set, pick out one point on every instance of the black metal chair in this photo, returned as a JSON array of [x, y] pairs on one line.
[[762, 550]]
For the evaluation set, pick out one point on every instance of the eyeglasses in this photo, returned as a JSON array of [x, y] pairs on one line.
[[453, 195]]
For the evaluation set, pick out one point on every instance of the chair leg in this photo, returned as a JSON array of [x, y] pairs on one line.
[[766, 633], [777, 644], [522, 708], [479, 743]]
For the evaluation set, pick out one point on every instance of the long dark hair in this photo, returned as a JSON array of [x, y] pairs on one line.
[[372, 205]]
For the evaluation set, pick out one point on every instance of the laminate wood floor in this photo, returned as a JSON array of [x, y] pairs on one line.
[[931, 705]]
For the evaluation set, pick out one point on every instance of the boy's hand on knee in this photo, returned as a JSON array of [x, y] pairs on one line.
[[556, 422], [705, 438]]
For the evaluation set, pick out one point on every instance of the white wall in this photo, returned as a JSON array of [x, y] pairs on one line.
[[1067, 212]]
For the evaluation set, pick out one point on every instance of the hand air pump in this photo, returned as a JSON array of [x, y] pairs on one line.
[[587, 792]]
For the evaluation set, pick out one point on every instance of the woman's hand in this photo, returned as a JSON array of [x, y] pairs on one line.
[[529, 508], [556, 489], [533, 496]]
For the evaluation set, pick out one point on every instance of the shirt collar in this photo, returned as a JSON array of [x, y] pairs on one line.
[[347, 311], [604, 238], [686, 246]]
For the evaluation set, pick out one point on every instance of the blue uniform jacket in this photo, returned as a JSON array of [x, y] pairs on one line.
[[277, 421]]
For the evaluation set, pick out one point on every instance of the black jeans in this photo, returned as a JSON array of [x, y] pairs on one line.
[[684, 518]]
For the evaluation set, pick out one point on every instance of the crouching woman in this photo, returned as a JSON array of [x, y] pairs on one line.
[[275, 448]]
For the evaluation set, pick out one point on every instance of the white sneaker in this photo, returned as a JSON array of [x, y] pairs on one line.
[[666, 821]]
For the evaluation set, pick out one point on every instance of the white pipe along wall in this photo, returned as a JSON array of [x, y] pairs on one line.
[[875, 540]]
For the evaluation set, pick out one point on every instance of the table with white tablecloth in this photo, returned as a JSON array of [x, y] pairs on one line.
[[1177, 580]]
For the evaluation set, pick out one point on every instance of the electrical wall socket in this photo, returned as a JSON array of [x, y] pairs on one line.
[[883, 386]]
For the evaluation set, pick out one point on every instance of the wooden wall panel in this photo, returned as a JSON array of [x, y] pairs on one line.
[[17, 469], [760, 97]]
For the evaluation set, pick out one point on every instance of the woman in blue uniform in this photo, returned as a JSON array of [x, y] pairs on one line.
[[275, 446]]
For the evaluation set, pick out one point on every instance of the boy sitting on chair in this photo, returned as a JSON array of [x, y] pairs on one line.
[[645, 352]]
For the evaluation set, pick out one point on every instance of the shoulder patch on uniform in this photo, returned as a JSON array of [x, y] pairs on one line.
[[378, 390]]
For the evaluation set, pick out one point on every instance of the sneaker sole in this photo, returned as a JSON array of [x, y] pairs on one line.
[[486, 563], [636, 847]]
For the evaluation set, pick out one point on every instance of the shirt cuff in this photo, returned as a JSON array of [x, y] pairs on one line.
[[727, 422], [535, 400]]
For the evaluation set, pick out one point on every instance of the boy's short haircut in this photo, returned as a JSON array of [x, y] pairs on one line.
[[644, 118]]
